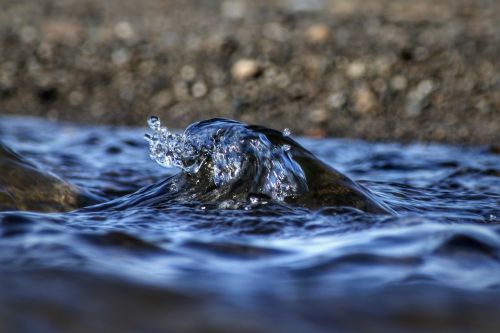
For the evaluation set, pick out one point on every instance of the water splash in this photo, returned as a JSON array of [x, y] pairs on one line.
[[228, 149]]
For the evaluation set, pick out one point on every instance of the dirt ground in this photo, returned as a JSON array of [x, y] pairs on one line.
[[380, 69]]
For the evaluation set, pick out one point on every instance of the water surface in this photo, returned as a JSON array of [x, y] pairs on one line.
[[270, 267]]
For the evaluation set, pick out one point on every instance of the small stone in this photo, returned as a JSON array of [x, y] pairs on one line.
[[245, 69], [119, 57], [365, 100], [399, 82], [337, 100], [233, 9], [124, 30], [318, 33], [199, 89], [356, 70], [188, 73], [417, 96]]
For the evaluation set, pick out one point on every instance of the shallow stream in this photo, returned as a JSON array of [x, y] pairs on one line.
[[432, 263]]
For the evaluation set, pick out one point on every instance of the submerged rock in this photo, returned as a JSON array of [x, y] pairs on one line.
[[23, 186]]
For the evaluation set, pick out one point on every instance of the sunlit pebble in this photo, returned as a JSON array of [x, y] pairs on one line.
[[416, 97], [365, 100], [199, 89], [245, 69], [399, 82], [233, 9], [188, 73], [124, 30], [337, 100], [356, 70], [119, 57], [317, 33], [422, 90]]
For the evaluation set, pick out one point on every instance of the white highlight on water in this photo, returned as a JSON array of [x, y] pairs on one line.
[[227, 146]]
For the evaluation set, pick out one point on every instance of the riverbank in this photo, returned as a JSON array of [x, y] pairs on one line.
[[379, 70]]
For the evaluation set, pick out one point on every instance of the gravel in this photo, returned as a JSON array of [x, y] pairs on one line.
[[379, 70]]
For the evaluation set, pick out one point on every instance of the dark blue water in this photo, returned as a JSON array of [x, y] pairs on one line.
[[150, 262]]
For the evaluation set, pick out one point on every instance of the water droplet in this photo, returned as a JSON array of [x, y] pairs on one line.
[[226, 147], [154, 123], [287, 132]]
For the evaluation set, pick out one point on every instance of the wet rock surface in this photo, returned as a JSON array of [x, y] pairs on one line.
[[380, 70]]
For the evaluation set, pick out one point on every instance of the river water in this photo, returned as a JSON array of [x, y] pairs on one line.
[[140, 263]]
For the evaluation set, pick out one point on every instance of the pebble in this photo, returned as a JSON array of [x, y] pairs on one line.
[[337, 100], [124, 30], [356, 70], [244, 69], [233, 9], [318, 33], [188, 73], [417, 96], [365, 100], [119, 57], [399, 82], [199, 89]]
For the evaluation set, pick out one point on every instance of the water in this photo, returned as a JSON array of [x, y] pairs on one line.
[[156, 250]]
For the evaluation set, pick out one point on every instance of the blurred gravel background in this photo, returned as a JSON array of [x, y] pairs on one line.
[[381, 70]]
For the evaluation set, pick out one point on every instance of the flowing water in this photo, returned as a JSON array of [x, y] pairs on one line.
[[239, 229]]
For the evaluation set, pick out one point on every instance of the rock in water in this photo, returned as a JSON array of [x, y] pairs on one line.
[[23, 186], [228, 163]]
